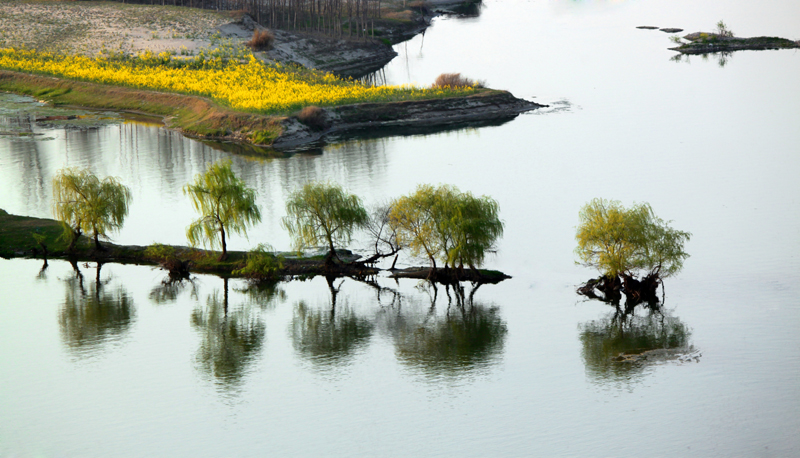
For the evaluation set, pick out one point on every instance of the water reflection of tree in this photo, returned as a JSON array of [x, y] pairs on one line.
[[94, 315], [31, 160], [230, 339], [170, 288], [465, 338], [329, 337], [619, 347], [263, 294], [722, 57]]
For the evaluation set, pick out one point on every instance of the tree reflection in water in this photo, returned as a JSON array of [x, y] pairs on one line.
[[230, 339], [95, 315], [621, 347], [170, 288], [328, 338], [465, 338]]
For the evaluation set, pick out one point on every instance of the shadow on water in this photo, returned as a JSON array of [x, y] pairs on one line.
[[230, 339], [619, 348], [94, 314], [249, 150], [412, 131]]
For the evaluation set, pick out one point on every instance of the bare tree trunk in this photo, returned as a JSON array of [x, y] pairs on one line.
[[224, 254]]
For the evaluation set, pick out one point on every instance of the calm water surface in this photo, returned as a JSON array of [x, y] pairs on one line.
[[114, 363]]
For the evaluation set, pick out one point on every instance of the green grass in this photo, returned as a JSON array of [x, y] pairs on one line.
[[19, 234]]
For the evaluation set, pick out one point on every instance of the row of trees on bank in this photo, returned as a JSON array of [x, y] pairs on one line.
[[632, 248], [336, 17], [440, 223]]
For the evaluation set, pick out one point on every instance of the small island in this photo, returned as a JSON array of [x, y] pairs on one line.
[[724, 40]]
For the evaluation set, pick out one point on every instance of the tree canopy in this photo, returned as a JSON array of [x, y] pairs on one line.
[[625, 242], [323, 214], [225, 203], [84, 203], [445, 223]]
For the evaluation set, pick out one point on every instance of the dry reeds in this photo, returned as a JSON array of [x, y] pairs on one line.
[[314, 117], [262, 40], [455, 80]]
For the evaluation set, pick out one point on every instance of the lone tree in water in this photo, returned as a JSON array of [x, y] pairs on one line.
[[445, 223], [633, 249], [226, 203], [84, 204], [323, 214]]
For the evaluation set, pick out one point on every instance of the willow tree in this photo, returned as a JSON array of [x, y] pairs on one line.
[[445, 223], [323, 214], [630, 247], [85, 204], [225, 203], [475, 227], [413, 219]]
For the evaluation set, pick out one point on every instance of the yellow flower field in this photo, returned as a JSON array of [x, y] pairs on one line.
[[250, 86]]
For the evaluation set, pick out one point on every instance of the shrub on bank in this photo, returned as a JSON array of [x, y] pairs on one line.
[[261, 264], [313, 116], [455, 81], [262, 40]]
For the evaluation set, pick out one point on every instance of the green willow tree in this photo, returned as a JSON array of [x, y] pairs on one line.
[[323, 214], [630, 247], [85, 204], [445, 223], [226, 205]]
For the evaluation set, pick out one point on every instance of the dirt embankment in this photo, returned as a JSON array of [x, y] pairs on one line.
[[349, 56], [490, 107], [343, 56]]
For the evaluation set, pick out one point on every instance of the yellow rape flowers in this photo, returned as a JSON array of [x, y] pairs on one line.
[[247, 85]]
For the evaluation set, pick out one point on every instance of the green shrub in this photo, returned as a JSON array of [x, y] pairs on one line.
[[261, 264]]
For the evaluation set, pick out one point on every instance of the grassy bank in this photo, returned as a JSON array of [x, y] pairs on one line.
[[194, 116]]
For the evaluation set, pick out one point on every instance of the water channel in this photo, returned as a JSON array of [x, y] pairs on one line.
[[114, 363]]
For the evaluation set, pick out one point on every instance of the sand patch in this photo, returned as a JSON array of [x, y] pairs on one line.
[[89, 28]]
